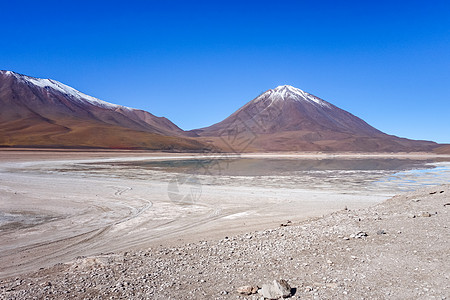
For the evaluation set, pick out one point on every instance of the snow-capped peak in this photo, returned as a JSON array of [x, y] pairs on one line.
[[64, 89], [6, 72], [284, 92]]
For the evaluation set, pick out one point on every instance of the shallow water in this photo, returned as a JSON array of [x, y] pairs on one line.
[[388, 175], [267, 167]]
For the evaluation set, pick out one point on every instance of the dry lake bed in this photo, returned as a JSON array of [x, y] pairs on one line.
[[56, 206]]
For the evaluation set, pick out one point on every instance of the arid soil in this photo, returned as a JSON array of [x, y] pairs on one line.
[[398, 249], [54, 208]]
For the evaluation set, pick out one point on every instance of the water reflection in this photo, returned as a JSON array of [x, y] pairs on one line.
[[268, 167], [350, 175]]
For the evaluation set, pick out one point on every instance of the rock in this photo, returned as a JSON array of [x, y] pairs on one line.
[[289, 222], [379, 232], [276, 290], [411, 216], [425, 214], [359, 235], [48, 283], [247, 290]]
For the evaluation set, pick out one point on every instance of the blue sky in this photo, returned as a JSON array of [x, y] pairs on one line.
[[196, 62]]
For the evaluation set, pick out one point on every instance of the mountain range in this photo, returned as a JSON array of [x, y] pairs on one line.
[[46, 113], [38, 112]]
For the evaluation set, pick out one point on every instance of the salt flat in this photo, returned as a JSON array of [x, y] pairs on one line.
[[56, 206]]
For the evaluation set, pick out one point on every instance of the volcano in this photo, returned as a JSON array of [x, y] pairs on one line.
[[38, 112], [289, 119]]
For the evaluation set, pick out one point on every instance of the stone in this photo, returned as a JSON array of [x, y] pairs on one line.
[[276, 290], [379, 232], [425, 214], [359, 235], [289, 222], [247, 290]]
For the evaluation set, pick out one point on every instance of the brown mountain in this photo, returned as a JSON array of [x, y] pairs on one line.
[[443, 149], [46, 113], [289, 119]]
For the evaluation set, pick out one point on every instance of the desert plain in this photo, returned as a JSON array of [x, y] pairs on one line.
[[81, 215]]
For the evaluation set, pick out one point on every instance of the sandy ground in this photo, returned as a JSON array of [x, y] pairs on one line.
[[395, 250]]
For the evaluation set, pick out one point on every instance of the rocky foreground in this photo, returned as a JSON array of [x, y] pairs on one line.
[[399, 249]]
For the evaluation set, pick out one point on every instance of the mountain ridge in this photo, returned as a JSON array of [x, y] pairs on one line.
[[38, 112], [47, 113]]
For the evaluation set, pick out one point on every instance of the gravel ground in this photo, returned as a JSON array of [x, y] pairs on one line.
[[399, 249]]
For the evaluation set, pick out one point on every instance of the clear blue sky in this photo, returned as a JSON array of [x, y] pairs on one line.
[[196, 62]]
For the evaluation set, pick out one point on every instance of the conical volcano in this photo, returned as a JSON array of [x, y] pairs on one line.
[[289, 119]]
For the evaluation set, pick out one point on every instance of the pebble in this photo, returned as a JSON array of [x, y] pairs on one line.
[[276, 290], [247, 290]]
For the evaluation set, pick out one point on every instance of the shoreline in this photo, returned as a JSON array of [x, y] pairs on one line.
[[134, 155]]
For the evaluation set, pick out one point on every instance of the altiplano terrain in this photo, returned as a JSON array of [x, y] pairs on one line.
[[191, 150], [37, 112]]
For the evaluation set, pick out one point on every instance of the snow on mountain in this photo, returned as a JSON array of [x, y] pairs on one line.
[[46, 113], [284, 92], [27, 96], [288, 119], [64, 89]]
